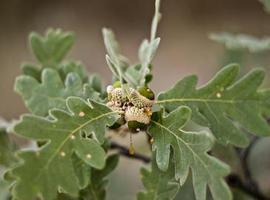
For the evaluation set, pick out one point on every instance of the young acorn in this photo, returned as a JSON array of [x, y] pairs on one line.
[[142, 98], [136, 118], [116, 100], [135, 108], [138, 115]]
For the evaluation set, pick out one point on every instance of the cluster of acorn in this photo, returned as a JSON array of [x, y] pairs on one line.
[[133, 106]]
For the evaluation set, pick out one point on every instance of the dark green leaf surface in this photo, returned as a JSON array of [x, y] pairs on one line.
[[50, 169], [159, 185], [82, 171], [223, 103], [97, 179], [96, 190], [189, 152]]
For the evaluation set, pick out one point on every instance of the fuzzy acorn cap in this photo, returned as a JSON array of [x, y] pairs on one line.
[[137, 114], [139, 100], [115, 95]]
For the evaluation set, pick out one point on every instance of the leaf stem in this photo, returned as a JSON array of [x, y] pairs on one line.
[[124, 151], [155, 20]]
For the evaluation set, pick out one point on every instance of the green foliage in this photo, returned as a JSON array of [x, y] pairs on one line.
[[135, 75], [7, 148], [241, 42], [50, 93], [69, 122], [190, 151], [222, 102], [97, 181], [51, 167], [45, 88], [73, 67], [52, 48], [159, 185], [4, 189]]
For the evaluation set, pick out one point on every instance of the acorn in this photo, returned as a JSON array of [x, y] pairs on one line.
[[117, 84], [139, 100], [115, 96], [146, 92], [136, 118], [136, 127]]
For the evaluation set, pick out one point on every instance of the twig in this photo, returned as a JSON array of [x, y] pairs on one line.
[[125, 152], [248, 186], [149, 138]]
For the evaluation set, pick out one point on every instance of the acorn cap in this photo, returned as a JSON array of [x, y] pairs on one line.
[[146, 92], [136, 114]]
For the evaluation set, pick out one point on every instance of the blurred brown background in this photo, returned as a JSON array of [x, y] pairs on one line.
[[185, 47], [184, 28]]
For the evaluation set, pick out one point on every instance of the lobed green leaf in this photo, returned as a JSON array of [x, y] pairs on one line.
[[159, 185], [50, 169], [52, 48], [189, 151], [224, 104], [50, 93]]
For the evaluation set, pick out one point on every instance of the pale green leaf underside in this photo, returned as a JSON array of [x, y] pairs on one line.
[[119, 65], [223, 103], [51, 92], [241, 42], [50, 49], [45, 171], [189, 151]]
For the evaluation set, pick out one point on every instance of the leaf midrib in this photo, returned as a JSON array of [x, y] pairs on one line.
[[66, 139], [186, 144], [228, 101]]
